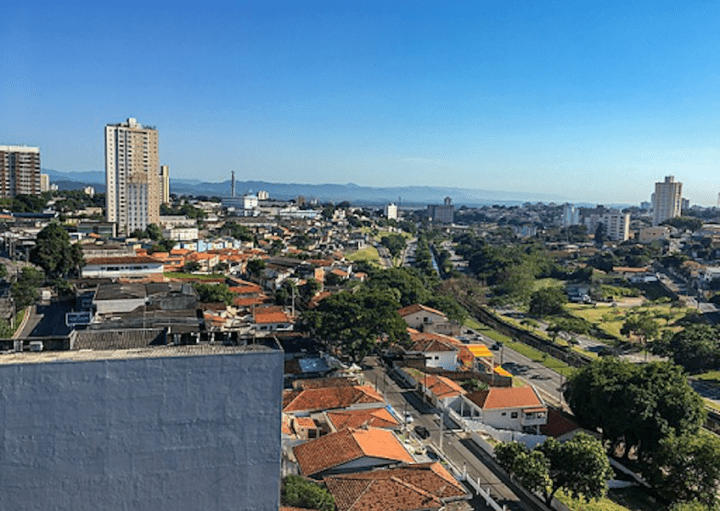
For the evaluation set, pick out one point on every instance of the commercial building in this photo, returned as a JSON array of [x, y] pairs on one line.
[[132, 176], [442, 214], [151, 428], [19, 171], [667, 200]]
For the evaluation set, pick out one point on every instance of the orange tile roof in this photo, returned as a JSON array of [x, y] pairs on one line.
[[375, 417], [557, 424], [348, 445], [443, 387], [417, 307], [265, 318], [249, 301], [506, 397], [424, 344], [304, 422], [246, 290], [417, 486], [329, 398]]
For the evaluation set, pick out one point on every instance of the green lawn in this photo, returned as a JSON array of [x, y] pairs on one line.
[[610, 319], [369, 254], [634, 499], [709, 377]]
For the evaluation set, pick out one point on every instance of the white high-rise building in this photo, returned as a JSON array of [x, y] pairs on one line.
[[391, 211], [132, 176], [667, 200]]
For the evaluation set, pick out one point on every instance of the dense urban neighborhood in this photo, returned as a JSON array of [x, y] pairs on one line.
[[526, 357]]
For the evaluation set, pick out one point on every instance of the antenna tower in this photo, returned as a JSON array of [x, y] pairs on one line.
[[232, 183]]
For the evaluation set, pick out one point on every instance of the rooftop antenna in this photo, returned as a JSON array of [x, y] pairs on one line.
[[232, 183]]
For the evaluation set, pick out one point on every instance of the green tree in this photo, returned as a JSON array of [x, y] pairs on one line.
[[154, 232], [212, 293], [579, 467], [635, 406], [395, 243], [309, 289], [531, 468], [3, 272], [547, 301], [54, 253], [356, 323], [25, 289], [695, 348], [300, 492], [600, 233], [643, 326], [255, 267], [687, 468]]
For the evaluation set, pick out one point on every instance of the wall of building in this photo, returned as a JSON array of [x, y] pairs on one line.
[[176, 433]]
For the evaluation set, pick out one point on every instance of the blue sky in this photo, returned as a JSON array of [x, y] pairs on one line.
[[594, 101]]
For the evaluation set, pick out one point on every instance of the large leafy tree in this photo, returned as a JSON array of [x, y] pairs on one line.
[[687, 468], [355, 323], [395, 243], [634, 405], [579, 466], [547, 301], [695, 347], [54, 253], [25, 289], [212, 293]]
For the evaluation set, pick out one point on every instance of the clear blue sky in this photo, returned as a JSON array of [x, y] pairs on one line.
[[590, 100]]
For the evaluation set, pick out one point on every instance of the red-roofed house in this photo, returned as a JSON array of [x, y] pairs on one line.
[[514, 408], [302, 402], [373, 417], [419, 316], [350, 450], [272, 321], [417, 487], [438, 352]]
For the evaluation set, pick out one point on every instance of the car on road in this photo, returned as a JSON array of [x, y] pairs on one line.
[[422, 432], [408, 418], [496, 346]]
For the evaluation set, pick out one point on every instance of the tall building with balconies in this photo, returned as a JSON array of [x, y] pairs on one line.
[[667, 200], [19, 171], [132, 176]]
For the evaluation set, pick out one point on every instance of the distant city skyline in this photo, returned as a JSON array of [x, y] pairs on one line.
[[594, 101]]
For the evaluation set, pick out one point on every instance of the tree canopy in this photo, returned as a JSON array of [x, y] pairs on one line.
[[355, 323], [695, 347], [634, 405], [547, 301], [299, 492], [212, 293], [579, 466], [54, 253], [25, 289]]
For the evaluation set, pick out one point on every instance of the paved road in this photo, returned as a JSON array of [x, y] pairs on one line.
[[454, 444], [47, 320]]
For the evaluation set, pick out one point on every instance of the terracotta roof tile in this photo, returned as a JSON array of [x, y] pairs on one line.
[[417, 307], [348, 445], [329, 398], [374, 417], [418, 486], [506, 397]]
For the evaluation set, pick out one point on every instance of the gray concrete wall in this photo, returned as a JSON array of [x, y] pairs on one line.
[[179, 433]]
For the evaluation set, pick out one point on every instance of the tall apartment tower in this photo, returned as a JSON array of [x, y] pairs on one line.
[[19, 171], [132, 176], [667, 200], [165, 183]]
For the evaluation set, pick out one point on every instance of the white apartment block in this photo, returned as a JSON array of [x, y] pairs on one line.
[[667, 200], [617, 223], [391, 212], [132, 176], [19, 171], [165, 183]]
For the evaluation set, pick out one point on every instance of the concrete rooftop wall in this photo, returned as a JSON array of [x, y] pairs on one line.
[[179, 433]]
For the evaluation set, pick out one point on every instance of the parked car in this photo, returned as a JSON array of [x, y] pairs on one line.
[[422, 432], [408, 418]]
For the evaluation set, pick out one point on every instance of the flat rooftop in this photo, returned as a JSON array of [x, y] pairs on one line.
[[86, 355]]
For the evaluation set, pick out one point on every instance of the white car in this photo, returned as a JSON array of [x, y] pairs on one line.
[[408, 418]]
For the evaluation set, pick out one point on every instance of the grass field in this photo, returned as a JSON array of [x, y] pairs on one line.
[[709, 377], [369, 254], [610, 319], [616, 500]]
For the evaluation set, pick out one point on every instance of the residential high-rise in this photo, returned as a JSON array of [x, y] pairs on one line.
[[667, 200], [165, 183], [19, 171], [442, 214], [132, 176]]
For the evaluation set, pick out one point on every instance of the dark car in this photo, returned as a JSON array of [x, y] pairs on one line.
[[422, 432]]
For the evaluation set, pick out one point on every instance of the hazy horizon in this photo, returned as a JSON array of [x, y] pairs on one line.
[[596, 101]]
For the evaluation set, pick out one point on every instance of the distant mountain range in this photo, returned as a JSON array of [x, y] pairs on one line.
[[355, 194]]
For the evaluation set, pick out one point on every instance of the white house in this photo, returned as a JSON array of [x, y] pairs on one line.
[[116, 267], [513, 408], [418, 316], [437, 353]]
